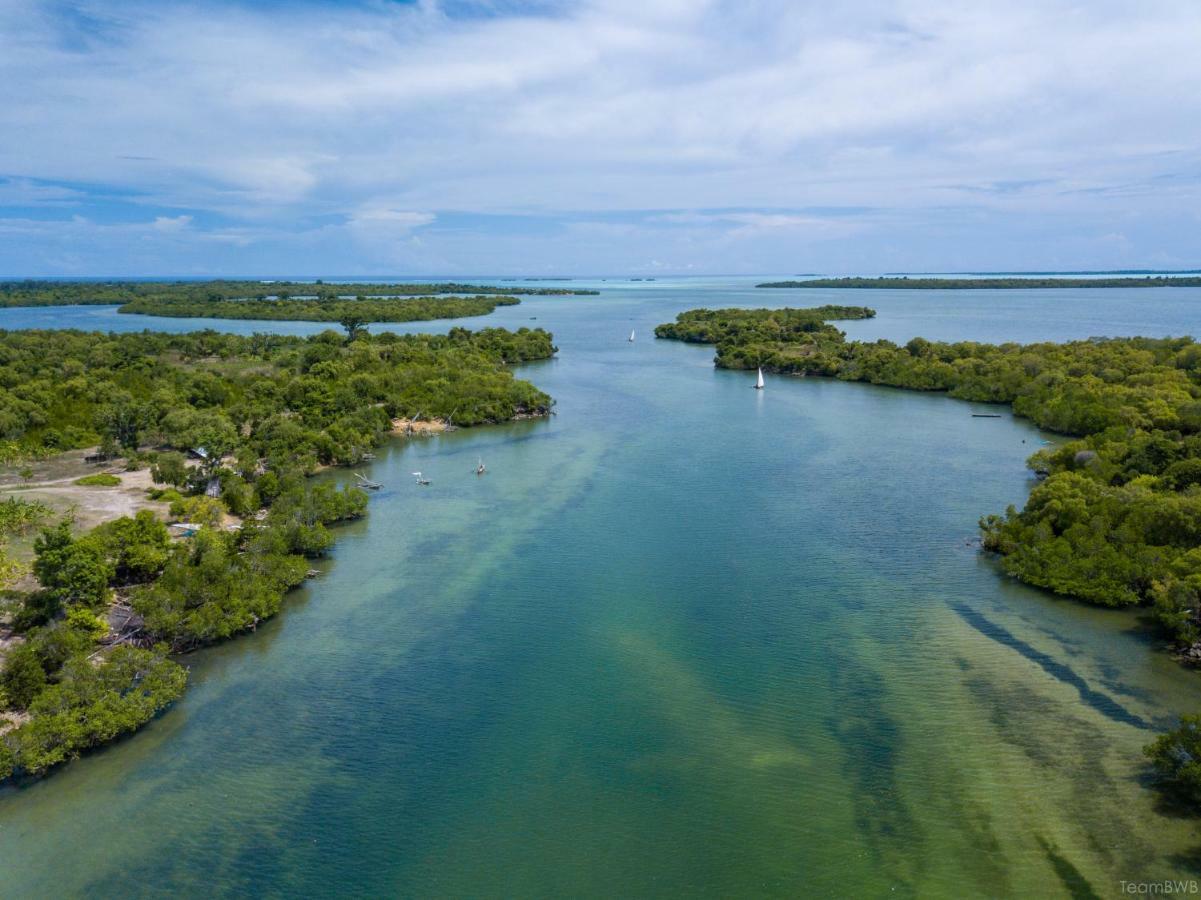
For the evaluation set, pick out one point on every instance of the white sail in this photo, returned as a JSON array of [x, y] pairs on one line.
[[631, 335], [759, 381]]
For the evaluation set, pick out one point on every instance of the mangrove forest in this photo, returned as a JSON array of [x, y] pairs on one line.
[[229, 428]]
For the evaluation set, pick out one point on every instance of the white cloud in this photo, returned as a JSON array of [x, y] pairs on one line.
[[171, 224], [26, 192], [391, 219], [274, 118]]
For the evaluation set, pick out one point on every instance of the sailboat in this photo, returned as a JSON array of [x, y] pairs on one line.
[[367, 483], [480, 469], [631, 335], [421, 480], [759, 380]]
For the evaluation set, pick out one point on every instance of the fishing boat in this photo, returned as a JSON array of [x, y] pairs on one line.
[[759, 381], [420, 479], [367, 483], [480, 468], [631, 335]]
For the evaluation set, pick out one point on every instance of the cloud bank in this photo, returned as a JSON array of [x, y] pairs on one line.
[[610, 136]]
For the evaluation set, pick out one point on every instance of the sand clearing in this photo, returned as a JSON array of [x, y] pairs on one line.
[[414, 426], [91, 505]]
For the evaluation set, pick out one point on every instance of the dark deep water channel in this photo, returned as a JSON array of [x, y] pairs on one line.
[[684, 638]]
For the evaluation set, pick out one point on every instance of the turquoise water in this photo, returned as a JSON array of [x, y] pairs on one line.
[[684, 638]]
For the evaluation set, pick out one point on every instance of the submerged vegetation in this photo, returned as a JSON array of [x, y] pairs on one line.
[[255, 415], [904, 282]]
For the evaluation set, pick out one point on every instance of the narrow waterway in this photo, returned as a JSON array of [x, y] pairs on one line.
[[683, 638]]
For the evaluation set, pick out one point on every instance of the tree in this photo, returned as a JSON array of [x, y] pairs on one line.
[[71, 571], [354, 324], [170, 468], [23, 677], [202, 429], [123, 421], [1176, 757], [137, 548]]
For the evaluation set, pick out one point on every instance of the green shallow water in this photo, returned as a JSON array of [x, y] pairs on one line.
[[685, 638]]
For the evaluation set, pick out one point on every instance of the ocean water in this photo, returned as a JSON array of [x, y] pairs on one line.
[[684, 638]]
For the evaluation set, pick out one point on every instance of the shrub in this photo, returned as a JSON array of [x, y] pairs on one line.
[[100, 479], [22, 678]]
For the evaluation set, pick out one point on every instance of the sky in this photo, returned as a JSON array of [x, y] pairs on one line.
[[374, 137]]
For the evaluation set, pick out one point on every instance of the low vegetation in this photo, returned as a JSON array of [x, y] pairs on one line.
[[100, 479], [18, 517]]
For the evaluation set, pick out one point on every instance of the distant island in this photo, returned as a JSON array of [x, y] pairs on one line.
[[277, 300], [42, 292], [980, 284], [308, 309]]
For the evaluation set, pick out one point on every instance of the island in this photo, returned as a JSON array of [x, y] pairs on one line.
[[277, 300], [40, 292], [223, 432], [311, 309], [904, 282]]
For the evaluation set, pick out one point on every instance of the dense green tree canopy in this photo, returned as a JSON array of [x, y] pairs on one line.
[[318, 398]]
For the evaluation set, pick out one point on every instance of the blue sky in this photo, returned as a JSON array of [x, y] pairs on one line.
[[316, 137]]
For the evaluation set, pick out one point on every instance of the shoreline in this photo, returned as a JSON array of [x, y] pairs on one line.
[[117, 614], [118, 597]]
